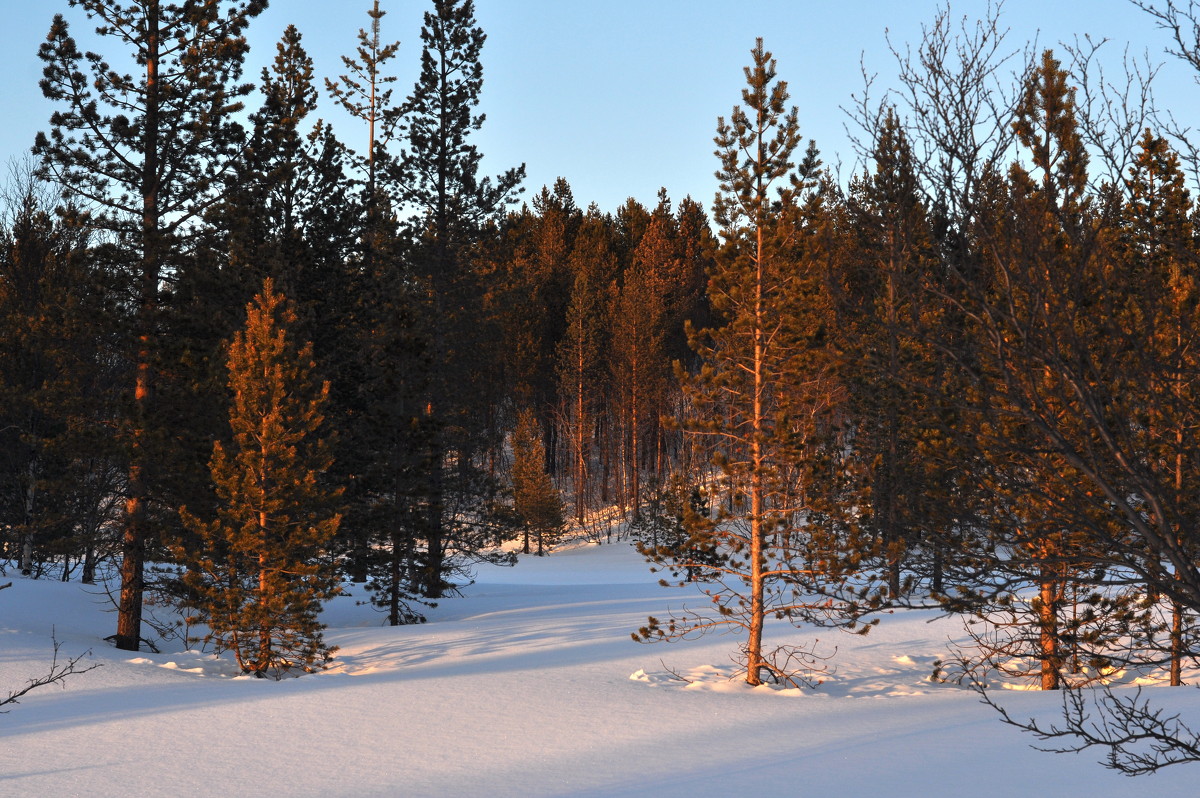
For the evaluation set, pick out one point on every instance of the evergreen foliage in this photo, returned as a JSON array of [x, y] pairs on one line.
[[764, 393], [262, 570], [885, 304], [59, 464], [581, 353], [437, 180], [361, 91], [149, 150], [535, 499], [966, 379]]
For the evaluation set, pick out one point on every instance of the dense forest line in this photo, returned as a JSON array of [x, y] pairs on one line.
[[967, 378]]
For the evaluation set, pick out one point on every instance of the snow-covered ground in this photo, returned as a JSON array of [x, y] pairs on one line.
[[527, 685]]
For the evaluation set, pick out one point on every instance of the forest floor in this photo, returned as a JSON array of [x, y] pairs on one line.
[[528, 684]]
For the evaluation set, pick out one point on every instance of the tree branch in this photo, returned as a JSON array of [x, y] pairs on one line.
[[57, 674]]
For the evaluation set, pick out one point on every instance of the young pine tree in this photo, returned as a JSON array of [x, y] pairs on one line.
[[884, 306], [1159, 249], [260, 573], [1041, 405], [535, 499]]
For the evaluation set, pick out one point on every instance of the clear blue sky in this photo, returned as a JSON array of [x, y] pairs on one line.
[[621, 97]]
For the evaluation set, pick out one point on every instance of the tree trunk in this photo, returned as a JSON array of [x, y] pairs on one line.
[[1177, 651], [435, 555], [264, 631], [1048, 631], [27, 527], [635, 486], [580, 452], [754, 656], [133, 541]]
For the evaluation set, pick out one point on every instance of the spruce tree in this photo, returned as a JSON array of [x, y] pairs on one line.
[[263, 569], [150, 150]]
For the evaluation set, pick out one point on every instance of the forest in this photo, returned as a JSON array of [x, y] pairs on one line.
[[242, 364]]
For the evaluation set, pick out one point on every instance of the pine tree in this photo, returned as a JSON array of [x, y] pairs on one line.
[[363, 94], [289, 214], [1160, 266], [641, 321], [151, 151], [537, 290], [262, 572], [438, 178], [581, 352], [535, 499], [1042, 412], [1050, 197], [887, 317], [59, 470], [760, 393], [386, 444]]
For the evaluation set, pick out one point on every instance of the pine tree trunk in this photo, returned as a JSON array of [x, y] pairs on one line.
[[27, 535], [635, 488], [580, 453], [937, 584], [88, 577], [894, 539], [264, 631], [754, 656], [1048, 630], [394, 577], [133, 541], [435, 541], [1177, 651]]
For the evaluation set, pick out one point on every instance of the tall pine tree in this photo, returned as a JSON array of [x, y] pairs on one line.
[[760, 394], [437, 175], [150, 149]]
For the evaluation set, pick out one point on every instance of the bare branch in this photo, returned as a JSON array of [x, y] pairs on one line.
[[1136, 738], [57, 674]]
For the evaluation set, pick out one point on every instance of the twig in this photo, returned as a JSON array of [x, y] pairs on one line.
[[57, 675], [1136, 738], [674, 673]]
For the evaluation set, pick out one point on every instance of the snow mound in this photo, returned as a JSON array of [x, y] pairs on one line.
[[193, 662], [712, 678]]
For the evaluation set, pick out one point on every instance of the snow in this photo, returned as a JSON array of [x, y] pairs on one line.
[[527, 685]]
